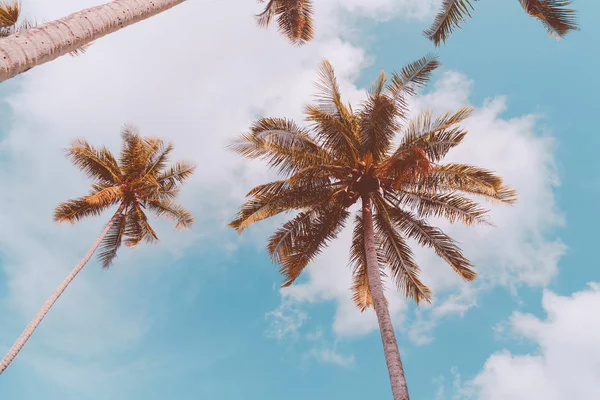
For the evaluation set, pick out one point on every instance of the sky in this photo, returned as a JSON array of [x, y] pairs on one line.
[[201, 314]]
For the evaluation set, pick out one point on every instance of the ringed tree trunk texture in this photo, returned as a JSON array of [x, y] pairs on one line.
[[16, 348], [390, 346], [23, 51]]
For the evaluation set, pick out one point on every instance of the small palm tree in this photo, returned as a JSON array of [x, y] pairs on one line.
[[348, 155], [294, 18], [141, 180], [557, 19]]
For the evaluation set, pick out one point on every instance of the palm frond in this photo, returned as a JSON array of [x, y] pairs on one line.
[[268, 201], [557, 19], [112, 241], [282, 144], [76, 209], [435, 137], [428, 236], [449, 18], [406, 167], [169, 209], [294, 19], [333, 122], [361, 292], [468, 179], [9, 13], [104, 195], [378, 120], [97, 164], [135, 152], [398, 256], [137, 227], [301, 239], [411, 77], [451, 206]]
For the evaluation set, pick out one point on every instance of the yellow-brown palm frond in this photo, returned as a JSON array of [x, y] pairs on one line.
[[301, 239], [294, 18], [428, 236], [398, 256], [452, 13], [557, 19], [282, 144], [451, 206], [97, 164], [107, 251], [9, 13], [467, 179], [434, 137], [361, 293], [269, 200], [381, 113]]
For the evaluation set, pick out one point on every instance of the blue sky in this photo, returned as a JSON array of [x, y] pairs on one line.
[[200, 315]]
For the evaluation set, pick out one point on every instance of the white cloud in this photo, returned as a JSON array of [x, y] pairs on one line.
[[517, 251], [567, 364]]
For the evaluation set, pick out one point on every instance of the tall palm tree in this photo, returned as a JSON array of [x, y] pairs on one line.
[[348, 155], [23, 51], [11, 23], [553, 14], [294, 18], [141, 180]]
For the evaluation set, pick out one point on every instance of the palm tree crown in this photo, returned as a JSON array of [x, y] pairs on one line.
[[141, 180], [345, 155], [294, 18], [557, 19]]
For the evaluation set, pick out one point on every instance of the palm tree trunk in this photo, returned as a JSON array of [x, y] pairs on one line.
[[23, 51], [390, 346], [16, 348]]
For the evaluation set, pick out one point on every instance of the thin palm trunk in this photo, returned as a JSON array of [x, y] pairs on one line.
[[390, 346], [25, 50], [16, 348]]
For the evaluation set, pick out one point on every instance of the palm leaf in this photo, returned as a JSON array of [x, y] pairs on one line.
[[453, 207], [428, 236], [358, 260], [76, 209], [300, 240], [468, 179], [112, 241], [170, 210], [282, 144], [557, 19], [294, 19], [9, 13], [97, 164], [450, 16], [398, 256], [437, 137]]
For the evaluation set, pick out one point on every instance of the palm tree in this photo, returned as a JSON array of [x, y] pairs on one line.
[[348, 155], [294, 18], [23, 51], [141, 180], [557, 19], [11, 23]]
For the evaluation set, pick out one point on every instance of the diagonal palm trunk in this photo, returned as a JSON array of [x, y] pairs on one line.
[[16, 348], [390, 346], [23, 51]]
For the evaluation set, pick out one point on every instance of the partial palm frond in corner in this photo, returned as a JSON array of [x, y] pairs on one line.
[[556, 18], [449, 18], [294, 19]]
